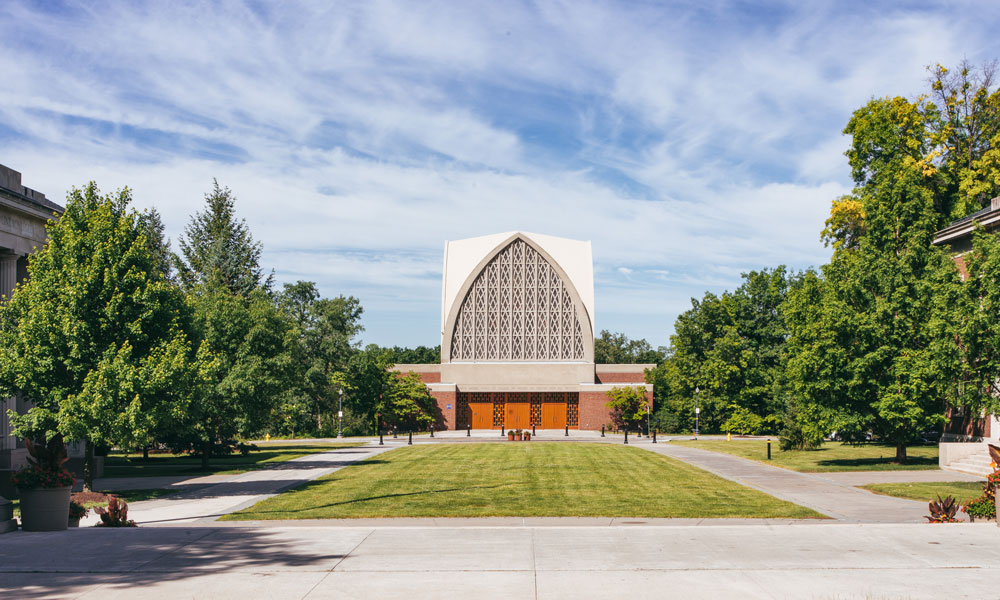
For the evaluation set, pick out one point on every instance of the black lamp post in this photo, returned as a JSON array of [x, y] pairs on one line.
[[697, 410], [340, 415]]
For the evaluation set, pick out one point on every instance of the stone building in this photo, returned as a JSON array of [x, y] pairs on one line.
[[517, 337], [23, 214]]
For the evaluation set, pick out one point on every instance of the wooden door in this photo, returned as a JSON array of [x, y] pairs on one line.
[[482, 415], [518, 415], [553, 415]]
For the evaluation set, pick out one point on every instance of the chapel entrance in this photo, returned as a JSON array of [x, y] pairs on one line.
[[517, 410]]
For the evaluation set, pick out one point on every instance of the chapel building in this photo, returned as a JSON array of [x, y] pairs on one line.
[[517, 337]]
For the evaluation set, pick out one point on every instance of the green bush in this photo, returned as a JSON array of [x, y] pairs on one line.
[[742, 421]]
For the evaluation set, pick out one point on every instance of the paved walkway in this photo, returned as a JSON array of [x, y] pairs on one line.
[[208, 501], [839, 500], [579, 563]]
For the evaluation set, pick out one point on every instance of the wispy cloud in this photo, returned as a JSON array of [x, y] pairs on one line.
[[689, 141]]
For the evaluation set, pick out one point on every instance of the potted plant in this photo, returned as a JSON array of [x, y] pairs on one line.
[[510, 435], [44, 486], [527, 435], [519, 435], [77, 511]]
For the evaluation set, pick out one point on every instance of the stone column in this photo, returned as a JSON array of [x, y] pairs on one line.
[[8, 278]]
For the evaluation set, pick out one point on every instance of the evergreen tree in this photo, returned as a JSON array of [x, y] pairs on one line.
[[217, 245], [157, 245]]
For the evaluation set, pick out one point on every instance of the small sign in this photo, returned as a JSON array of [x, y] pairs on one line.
[[448, 407], [340, 414]]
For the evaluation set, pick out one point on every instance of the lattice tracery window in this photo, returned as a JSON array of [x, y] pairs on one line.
[[518, 308]]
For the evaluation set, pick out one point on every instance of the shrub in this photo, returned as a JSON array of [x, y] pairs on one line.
[[115, 515], [942, 511], [742, 421], [77, 510]]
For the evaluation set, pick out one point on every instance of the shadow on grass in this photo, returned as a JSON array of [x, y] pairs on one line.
[[913, 461], [139, 469], [131, 560]]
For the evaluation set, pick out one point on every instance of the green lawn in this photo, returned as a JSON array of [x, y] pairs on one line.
[[523, 479], [129, 496], [832, 456], [133, 465], [927, 491]]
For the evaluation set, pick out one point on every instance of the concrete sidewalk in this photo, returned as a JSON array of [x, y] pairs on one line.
[[834, 561], [839, 500], [207, 502]]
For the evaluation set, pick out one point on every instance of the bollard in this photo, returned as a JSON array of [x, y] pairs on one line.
[[602, 430], [768, 449], [729, 437], [626, 435], [410, 441], [380, 442], [532, 430], [654, 436], [567, 430], [432, 431], [468, 430], [393, 432]]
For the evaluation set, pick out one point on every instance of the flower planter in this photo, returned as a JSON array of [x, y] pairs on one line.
[[519, 437], [74, 522], [45, 509], [510, 438]]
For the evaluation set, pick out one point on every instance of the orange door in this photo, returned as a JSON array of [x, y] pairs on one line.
[[553, 415], [518, 415], [482, 415]]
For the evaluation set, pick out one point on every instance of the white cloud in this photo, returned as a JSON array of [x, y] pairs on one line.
[[690, 142]]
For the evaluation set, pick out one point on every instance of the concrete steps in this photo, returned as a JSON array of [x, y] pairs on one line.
[[974, 464]]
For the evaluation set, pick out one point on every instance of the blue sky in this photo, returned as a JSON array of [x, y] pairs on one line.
[[689, 141]]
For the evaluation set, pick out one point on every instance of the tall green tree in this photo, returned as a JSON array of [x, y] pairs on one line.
[[866, 345], [245, 352], [96, 336], [730, 348], [367, 380], [217, 245], [326, 328]]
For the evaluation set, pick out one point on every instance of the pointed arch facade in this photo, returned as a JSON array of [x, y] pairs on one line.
[[518, 305]]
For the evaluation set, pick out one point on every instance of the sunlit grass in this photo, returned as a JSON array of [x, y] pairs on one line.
[[831, 456], [521, 479]]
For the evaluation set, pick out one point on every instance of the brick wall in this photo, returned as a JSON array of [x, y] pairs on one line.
[[594, 413], [621, 377], [447, 415], [964, 423]]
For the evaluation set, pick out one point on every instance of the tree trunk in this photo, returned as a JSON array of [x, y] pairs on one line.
[[88, 466], [901, 453], [206, 449]]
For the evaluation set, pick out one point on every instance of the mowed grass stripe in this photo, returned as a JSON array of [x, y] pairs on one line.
[[830, 457], [534, 479]]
